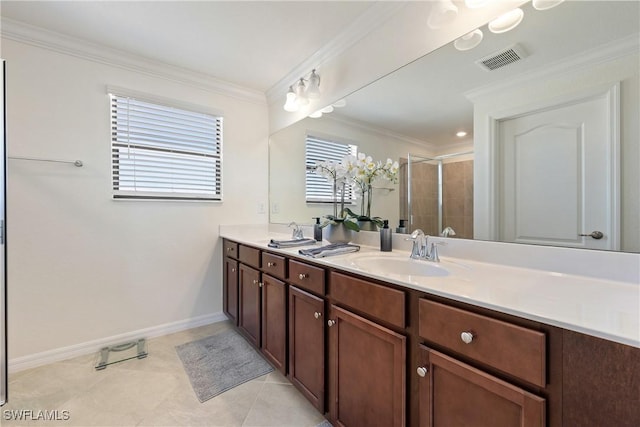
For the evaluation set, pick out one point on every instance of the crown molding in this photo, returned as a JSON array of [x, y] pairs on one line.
[[617, 49], [372, 18], [381, 131], [60, 43]]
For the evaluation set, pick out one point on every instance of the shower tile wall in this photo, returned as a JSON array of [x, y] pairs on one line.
[[424, 197], [457, 198], [457, 210]]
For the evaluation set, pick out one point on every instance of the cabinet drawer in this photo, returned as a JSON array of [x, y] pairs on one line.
[[512, 349], [250, 256], [230, 249], [274, 265], [379, 301], [306, 276]]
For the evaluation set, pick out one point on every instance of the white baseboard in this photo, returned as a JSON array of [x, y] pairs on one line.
[[63, 353]]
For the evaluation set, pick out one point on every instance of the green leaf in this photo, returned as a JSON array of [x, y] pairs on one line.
[[351, 225]]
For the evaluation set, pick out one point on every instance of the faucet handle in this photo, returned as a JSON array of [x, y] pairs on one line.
[[433, 251]]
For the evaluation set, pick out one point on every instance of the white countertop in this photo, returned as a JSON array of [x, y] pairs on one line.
[[603, 308]]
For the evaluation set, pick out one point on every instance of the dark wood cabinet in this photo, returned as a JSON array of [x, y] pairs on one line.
[[367, 365], [274, 321], [387, 355], [230, 289], [249, 303], [601, 382], [306, 345], [452, 393]]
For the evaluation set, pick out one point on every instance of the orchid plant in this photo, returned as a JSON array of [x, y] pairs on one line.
[[339, 174], [362, 171], [365, 172]]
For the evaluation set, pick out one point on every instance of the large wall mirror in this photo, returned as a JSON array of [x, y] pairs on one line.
[[553, 124]]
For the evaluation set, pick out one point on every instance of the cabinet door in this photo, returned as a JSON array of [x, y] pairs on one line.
[[230, 289], [274, 321], [306, 345], [452, 393], [367, 367], [249, 304]]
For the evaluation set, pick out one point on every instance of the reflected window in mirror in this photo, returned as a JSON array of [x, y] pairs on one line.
[[318, 149]]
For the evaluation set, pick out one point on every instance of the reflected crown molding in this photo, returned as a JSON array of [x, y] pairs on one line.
[[614, 50], [61, 43], [372, 18], [382, 131]]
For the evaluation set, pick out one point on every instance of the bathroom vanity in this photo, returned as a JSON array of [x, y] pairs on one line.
[[369, 347]]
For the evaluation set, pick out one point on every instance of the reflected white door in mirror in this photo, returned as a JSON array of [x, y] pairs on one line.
[[557, 168]]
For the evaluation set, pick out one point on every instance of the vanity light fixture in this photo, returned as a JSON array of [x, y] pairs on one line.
[[545, 4], [461, 134], [328, 109], [300, 93], [313, 90], [469, 40], [442, 13], [506, 22], [340, 103], [291, 105]]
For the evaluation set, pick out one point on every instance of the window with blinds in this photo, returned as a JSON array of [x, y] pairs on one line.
[[161, 152], [318, 189]]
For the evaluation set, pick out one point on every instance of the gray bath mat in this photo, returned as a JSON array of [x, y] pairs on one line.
[[220, 362]]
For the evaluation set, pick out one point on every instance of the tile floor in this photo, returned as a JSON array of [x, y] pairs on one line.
[[154, 391]]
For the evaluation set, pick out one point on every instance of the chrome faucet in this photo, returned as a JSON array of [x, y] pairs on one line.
[[448, 232], [419, 244], [296, 234], [421, 248]]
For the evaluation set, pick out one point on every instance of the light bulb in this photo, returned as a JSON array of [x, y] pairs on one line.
[[469, 40], [291, 105], [545, 4], [316, 115], [506, 22], [340, 103], [301, 97], [327, 109], [313, 90]]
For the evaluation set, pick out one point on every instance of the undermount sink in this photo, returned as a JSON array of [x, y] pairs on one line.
[[405, 266]]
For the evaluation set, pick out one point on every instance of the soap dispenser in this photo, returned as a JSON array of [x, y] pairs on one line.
[[385, 237], [317, 230], [401, 229]]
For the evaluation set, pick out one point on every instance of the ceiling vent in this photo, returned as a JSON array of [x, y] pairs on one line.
[[502, 58]]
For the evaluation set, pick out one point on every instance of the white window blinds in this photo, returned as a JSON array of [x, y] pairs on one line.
[[161, 152], [318, 189]]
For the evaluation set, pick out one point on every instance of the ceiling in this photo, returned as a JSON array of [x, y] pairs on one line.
[[426, 100], [253, 44]]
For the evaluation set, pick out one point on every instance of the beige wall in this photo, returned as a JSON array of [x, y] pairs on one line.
[[83, 267]]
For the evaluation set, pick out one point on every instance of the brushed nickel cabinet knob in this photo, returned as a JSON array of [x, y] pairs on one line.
[[422, 371], [467, 337]]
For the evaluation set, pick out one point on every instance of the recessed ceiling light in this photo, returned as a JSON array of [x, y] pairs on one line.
[[545, 4], [469, 41], [506, 22], [461, 134]]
